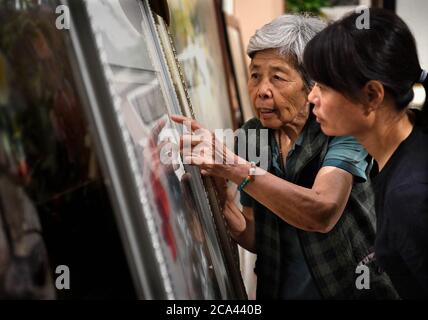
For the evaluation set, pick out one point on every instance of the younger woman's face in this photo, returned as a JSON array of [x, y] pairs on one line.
[[337, 115]]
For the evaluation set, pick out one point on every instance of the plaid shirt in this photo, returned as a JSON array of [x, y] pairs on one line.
[[333, 257]]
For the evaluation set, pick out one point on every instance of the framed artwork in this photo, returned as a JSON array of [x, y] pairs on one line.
[[237, 52], [212, 186], [162, 208], [197, 32]]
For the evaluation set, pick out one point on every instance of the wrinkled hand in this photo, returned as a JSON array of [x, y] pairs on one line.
[[200, 147]]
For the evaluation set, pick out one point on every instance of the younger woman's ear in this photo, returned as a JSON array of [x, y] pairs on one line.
[[374, 94]]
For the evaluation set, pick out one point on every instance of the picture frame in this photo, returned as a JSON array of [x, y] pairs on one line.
[[212, 187], [197, 31], [239, 59]]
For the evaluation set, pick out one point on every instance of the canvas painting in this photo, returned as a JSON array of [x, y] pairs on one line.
[[195, 31]]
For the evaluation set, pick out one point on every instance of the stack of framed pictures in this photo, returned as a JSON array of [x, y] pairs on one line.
[[87, 144], [176, 239]]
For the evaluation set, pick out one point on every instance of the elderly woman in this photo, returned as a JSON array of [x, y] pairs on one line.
[[308, 216]]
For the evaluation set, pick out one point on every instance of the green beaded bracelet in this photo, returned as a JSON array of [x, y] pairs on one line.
[[244, 183], [249, 178]]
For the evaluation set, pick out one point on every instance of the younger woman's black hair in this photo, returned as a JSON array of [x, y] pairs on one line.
[[345, 57]]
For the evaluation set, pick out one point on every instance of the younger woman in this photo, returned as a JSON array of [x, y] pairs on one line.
[[364, 80]]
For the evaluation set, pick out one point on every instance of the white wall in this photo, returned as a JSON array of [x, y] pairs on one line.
[[414, 13], [253, 14]]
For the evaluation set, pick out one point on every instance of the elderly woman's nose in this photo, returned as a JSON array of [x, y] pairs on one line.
[[265, 91]]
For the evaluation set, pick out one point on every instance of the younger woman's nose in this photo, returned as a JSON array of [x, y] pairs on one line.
[[313, 96]]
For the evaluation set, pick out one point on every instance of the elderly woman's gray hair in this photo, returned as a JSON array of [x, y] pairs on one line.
[[289, 34]]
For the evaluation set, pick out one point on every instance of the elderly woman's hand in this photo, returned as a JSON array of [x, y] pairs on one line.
[[200, 147]]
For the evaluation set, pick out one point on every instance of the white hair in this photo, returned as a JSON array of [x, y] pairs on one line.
[[289, 34]]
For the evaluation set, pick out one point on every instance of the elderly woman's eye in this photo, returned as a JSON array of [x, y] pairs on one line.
[[254, 76]]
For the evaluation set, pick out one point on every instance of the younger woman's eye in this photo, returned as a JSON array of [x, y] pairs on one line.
[[320, 86]]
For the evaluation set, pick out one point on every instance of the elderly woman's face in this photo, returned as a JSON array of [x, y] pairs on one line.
[[276, 89]]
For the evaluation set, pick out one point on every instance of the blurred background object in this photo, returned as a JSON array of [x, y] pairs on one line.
[[47, 155]]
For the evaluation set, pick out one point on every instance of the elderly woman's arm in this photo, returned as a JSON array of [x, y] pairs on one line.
[[316, 209], [241, 225]]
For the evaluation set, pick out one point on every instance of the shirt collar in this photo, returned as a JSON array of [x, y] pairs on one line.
[[299, 140]]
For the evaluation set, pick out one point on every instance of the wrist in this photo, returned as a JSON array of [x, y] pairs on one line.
[[239, 172], [249, 178]]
